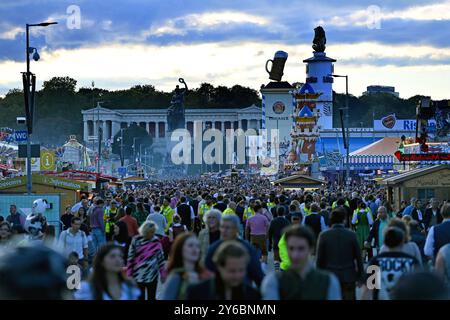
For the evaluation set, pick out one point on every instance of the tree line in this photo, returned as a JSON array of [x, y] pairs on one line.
[[59, 104]]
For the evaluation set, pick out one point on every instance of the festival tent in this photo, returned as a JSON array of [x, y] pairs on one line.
[[297, 181], [375, 156], [76, 153], [385, 146]]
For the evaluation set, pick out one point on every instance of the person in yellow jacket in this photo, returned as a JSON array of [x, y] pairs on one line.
[[335, 204], [306, 210], [271, 203], [230, 210], [249, 212], [109, 217], [205, 207], [167, 212]]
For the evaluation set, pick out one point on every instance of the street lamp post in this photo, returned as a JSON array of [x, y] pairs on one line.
[[29, 99], [134, 150], [347, 167], [121, 148]]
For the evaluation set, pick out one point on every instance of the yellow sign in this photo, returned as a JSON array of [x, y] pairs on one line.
[[35, 164], [45, 180], [48, 162]]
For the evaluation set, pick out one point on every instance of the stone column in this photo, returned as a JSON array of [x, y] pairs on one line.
[[115, 127], [96, 123], [105, 131], [166, 129], [85, 130]]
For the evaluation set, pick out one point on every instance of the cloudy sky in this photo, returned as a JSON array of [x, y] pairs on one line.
[[117, 44]]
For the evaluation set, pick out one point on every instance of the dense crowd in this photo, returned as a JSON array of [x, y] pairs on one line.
[[233, 239]]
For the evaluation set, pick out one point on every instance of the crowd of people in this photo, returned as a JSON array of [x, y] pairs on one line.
[[202, 239]]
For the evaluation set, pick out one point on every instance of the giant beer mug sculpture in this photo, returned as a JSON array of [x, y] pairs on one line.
[[278, 62]]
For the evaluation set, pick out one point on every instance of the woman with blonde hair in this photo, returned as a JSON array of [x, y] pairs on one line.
[[211, 233], [146, 260]]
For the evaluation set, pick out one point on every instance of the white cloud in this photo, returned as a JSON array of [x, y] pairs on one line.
[[436, 11], [117, 66], [367, 16], [11, 33], [181, 25]]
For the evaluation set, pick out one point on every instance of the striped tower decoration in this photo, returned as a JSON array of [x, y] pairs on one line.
[[294, 104], [263, 120], [263, 126]]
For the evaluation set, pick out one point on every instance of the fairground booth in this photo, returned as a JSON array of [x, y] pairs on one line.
[[300, 181], [423, 184]]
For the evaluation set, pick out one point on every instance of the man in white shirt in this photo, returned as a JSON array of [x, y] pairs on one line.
[[159, 220], [75, 240]]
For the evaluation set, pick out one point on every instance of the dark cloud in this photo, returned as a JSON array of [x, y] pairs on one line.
[[292, 23]]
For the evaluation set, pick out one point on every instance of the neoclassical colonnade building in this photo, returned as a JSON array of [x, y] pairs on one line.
[[155, 120]]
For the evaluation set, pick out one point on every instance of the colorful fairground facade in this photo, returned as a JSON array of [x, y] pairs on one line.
[[305, 131]]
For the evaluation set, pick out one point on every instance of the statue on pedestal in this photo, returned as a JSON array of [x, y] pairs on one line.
[[175, 113], [319, 40]]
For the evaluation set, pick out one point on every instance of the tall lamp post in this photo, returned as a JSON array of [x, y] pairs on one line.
[[29, 82], [347, 167], [121, 148]]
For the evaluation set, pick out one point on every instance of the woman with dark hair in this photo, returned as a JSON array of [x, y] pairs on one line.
[[183, 267], [82, 214], [107, 281], [120, 237], [120, 234]]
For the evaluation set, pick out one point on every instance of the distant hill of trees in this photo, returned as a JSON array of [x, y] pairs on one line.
[[59, 105]]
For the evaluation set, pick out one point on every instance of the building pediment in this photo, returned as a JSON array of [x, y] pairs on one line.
[[100, 110], [251, 109]]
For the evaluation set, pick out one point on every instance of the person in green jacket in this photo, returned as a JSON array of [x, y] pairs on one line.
[[362, 220]]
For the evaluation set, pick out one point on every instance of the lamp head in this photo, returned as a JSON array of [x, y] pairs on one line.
[[36, 56], [46, 24], [32, 50]]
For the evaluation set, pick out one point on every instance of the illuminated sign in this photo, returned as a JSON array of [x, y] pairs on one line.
[[390, 123], [422, 156]]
